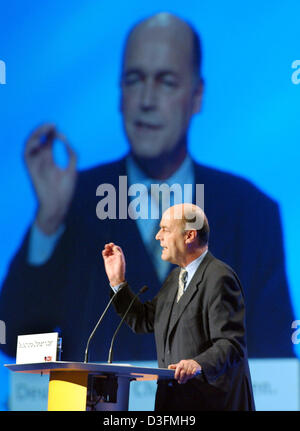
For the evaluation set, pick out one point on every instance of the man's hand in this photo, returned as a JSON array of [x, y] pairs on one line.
[[114, 262], [53, 185], [185, 370]]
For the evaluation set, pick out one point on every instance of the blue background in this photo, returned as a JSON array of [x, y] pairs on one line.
[[62, 65]]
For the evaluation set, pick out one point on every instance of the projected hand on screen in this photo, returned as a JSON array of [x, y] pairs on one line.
[[54, 186]]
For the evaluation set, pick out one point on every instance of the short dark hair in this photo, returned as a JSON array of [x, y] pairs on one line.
[[203, 232], [196, 53]]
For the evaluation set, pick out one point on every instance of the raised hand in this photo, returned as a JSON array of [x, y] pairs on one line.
[[114, 263], [53, 185]]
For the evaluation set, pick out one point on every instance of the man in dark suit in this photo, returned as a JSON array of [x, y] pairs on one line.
[[55, 281], [198, 318]]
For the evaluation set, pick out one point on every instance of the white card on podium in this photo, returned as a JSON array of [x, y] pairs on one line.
[[35, 348]]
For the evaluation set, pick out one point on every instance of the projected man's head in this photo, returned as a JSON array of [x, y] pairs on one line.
[[161, 86]]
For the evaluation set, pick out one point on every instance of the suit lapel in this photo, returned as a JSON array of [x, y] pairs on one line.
[[168, 301], [191, 289]]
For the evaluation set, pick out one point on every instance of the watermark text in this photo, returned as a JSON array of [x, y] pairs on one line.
[[296, 334], [2, 332], [2, 72], [141, 202], [296, 75]]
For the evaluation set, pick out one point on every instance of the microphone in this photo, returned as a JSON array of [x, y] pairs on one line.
[[98, 323], [142, 290]]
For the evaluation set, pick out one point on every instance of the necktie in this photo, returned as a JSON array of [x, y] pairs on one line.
[[181, 283]]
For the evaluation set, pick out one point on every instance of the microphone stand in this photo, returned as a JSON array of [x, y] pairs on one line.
[[98, 323], [143, 289]]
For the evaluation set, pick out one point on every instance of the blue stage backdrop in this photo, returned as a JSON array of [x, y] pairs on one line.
[[62, 62]]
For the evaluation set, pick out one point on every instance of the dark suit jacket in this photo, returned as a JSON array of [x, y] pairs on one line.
[[209, 327], [69, 292]]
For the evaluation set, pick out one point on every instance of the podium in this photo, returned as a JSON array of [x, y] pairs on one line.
[[78, 386]]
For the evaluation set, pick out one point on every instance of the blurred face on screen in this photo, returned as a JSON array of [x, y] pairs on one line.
[[159, 91]]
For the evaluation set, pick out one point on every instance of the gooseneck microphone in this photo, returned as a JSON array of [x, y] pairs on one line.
[[142, 290], [98, 323]]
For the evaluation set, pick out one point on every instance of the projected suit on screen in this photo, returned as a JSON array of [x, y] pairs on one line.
[[56, 280]]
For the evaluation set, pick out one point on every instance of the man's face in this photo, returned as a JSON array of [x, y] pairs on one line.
[[172, 238], [159, 93]]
